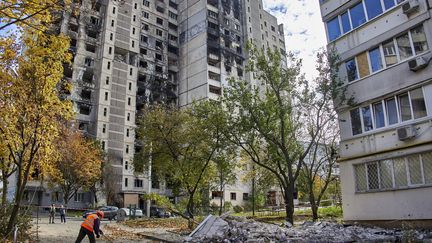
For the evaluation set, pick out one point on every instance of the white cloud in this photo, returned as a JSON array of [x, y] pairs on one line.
[[304, 29]]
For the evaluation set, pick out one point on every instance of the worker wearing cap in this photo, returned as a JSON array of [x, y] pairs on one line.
[[90, 227]]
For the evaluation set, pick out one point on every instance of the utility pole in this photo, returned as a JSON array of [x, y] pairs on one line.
[[149, 181], [253, 191]]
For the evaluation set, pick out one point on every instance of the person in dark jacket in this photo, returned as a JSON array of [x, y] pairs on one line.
[[90, 227], [62, 212]]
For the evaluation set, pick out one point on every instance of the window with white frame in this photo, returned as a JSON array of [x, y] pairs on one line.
[[398, 173], [390, 52], [357, 15], [400, 108]]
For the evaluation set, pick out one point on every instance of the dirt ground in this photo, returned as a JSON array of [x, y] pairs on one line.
[[113, 231]]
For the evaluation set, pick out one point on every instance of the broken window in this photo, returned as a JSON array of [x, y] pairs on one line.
[[158, 69], [173, 49], [88, 76], [159, 21], [215, 90], [84, 109], [160, 9], [172, 37], [212, 14], [172, 15], [91, 48], [172, 26], [217, 194], [213, 76], [158, 57], [159, 45], [172, 4], [86, 94], [88, 61], [239, 72]]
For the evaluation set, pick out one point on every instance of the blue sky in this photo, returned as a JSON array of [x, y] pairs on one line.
[[304, 30]]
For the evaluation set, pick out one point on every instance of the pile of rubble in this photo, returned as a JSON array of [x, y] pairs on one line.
[[234, 229]]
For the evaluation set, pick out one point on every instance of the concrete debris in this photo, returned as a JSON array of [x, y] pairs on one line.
[[234, 229]]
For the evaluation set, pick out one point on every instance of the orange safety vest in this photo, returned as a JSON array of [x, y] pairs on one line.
[[89, 222]]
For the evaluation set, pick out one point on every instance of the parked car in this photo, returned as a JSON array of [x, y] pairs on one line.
[[110, 212], [159, 212], [126, 212]]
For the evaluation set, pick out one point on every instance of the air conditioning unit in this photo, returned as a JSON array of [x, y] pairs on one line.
[[411, 6], [405, 133], [418, 64]]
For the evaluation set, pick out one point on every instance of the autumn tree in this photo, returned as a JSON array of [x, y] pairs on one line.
[[78, 165], [30, 105], [266, 119], [30, 14]]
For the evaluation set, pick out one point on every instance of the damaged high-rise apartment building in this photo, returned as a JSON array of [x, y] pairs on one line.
[[133, 52]]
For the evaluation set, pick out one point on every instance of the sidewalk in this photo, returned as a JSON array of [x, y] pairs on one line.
[[65, 233]]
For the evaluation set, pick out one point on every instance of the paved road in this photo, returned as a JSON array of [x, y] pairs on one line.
[[64, 233]]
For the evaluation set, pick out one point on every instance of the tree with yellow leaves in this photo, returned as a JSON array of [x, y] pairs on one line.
[[30, 108], [29, 13], [78, 165]]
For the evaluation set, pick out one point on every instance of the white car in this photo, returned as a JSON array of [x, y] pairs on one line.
[[126, 212]]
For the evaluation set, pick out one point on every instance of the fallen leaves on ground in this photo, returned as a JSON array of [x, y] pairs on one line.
[[116, 233], [174, 224]]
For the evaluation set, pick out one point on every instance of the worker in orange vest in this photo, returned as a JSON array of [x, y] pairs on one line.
[[91, 224]]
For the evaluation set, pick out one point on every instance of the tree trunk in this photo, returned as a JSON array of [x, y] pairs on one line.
[[313, 203], [314, 208], [289, 203], [17, 202], [221, 198], [93, 191], [221, 205], [189, 207], [4, 190], [66, 200]]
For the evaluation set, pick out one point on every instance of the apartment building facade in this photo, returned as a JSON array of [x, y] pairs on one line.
[[384, 48], [128, 53]]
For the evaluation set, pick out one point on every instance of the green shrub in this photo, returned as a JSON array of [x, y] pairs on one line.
[[330, 212], [227, 206], [214, 208], [238, 209], [326, 204], [23, 222]]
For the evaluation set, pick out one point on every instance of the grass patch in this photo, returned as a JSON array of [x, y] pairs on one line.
[[333, 213]]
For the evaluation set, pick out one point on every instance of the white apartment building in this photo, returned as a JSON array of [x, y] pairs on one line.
[[384, 48]]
